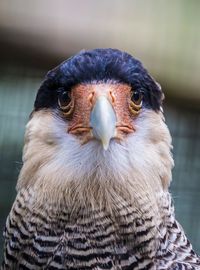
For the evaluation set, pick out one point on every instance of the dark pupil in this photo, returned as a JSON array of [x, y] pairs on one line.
[[64, 98], [136, 96]]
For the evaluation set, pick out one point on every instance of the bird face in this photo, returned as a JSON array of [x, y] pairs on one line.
[[97, 134], [100, 111]]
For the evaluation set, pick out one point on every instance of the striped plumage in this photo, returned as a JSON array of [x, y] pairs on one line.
[[92, 240], [81, 207]]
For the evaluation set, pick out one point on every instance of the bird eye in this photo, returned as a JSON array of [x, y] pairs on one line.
[[136, 102], [65, 102], [64, 99], [136, 97]]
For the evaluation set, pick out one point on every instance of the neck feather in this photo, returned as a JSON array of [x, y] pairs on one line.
[[61, 171]]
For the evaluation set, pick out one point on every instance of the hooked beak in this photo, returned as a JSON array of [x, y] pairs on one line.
[[103, 121]]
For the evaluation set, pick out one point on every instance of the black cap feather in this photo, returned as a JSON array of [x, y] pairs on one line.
[[99, 65]]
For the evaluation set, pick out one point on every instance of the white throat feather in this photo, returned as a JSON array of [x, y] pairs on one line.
[[136, 171]]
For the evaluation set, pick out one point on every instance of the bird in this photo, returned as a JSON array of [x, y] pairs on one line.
[[93, 190]]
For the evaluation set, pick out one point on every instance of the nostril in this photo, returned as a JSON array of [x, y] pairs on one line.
[[112, 97], [91, 97]]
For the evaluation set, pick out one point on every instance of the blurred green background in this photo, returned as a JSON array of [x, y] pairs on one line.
[[37, 35]]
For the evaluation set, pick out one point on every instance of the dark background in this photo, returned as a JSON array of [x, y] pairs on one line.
[[37, 35]]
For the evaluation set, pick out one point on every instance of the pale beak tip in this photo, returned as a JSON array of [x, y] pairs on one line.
[[105, 146], [105, 143]]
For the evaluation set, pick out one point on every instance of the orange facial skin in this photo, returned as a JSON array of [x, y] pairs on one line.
[[84, 97]]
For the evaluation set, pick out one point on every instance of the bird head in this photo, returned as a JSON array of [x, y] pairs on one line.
[[97, 132]]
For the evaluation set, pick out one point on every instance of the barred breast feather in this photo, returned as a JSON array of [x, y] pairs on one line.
[[36, 239], [42, 238]]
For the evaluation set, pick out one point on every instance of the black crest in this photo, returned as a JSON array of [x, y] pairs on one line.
[[99, 65]]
